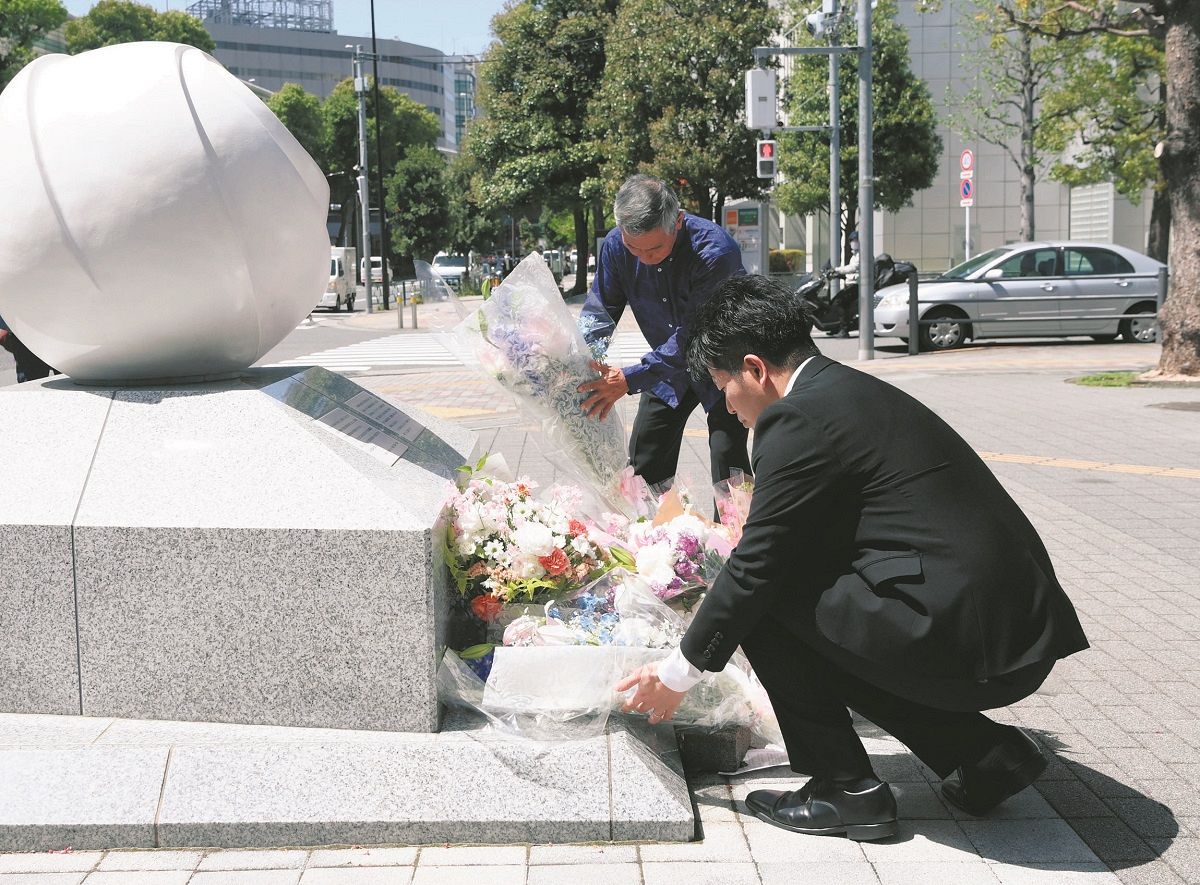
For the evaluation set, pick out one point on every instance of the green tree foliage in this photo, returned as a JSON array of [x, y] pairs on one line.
[[1014, 72], [472, 226], [121, 21], [403, 124], [673, 97], [906, 144], [22, 22], [419, 220], [1108, 108], [537, 84], [300, 112]]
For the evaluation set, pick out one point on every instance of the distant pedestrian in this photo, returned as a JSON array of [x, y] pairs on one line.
[[29, 366]]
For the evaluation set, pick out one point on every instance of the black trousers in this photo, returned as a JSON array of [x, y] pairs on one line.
[[810, 696], [658, 434]]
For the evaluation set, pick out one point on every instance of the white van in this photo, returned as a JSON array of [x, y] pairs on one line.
[[341, 289], [376, 269]]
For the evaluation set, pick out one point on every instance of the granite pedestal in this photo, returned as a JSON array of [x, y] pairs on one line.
[[256, 550]]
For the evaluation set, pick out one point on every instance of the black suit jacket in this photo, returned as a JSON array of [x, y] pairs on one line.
[[878, 536]]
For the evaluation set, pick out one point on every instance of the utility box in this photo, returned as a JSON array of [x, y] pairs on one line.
[[745, 221], [760, 99]]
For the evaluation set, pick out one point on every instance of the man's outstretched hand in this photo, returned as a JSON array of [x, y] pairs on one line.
[[651, 696], [604, 392]]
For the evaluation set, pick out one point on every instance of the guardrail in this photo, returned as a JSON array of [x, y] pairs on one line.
[[914, 321]]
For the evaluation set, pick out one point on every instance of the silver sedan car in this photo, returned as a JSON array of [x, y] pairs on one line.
[[1028, 290]]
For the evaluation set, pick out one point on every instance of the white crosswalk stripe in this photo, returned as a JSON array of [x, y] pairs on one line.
[[431, 350]]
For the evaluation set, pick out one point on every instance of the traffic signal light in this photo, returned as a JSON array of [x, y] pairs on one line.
[[766, 158]]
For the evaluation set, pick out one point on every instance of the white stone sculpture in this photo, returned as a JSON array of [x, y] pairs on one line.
[[157, 221]]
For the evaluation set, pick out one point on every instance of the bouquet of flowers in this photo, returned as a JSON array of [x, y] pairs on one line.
[[589, 641], [523, 337], [732, 498], [503, 545], [677, 551]]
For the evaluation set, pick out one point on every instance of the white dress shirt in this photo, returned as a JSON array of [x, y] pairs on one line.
[[675, 671]]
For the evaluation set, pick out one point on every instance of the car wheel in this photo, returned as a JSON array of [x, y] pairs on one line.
[[350, 302], [1137, 330], [947, 332], [1103, 339]]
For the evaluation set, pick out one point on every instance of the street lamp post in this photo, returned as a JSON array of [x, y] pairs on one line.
[[383, 249], [364, 201], [866, 190]]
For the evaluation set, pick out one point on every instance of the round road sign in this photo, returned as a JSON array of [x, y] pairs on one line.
[[967, 189], [966, 160]]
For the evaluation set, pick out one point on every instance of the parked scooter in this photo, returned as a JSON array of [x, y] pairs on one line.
[[826, 311]]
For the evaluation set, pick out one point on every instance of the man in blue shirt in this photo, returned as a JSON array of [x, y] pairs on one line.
[[663, 263]]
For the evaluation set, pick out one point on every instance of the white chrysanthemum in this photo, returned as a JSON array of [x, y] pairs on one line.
[[534, 539], [656, 563], [469, 520], [582, 545], [466, 546], [527, 566], [523, 510], [493, 548], [690, 524]]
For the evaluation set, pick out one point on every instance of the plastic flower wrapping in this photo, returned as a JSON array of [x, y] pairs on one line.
[[554, 675], [505, 545], [732, 497], [525, 339]]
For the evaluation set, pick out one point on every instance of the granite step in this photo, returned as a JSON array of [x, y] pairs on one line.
[[105, 783]]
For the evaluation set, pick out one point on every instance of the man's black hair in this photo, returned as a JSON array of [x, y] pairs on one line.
[[750, 314]]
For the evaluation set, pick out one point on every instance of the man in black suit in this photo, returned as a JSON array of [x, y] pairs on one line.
[[883, 568]]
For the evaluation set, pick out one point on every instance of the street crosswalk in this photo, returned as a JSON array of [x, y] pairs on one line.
[[431, 349]]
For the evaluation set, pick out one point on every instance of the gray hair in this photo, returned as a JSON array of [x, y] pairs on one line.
[[644, 204]]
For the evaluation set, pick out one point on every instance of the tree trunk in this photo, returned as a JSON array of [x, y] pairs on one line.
[[582, 247], [1028, 127], [1181, 171]]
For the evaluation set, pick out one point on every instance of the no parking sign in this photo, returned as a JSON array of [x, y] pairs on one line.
[[967, 192]]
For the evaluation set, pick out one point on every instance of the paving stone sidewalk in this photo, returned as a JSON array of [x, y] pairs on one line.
[[1092, 468]]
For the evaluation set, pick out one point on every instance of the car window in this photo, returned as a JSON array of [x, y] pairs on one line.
[[333, 269], [1030, 263], [961, 271], [1093, 261]]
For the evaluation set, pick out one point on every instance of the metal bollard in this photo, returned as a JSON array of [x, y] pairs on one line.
[[414, 314], [914, 322]]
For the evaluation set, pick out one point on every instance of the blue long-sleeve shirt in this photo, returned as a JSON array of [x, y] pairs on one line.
[[664, 297]]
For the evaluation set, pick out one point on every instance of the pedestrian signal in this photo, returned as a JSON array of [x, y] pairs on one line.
[[766, 158]]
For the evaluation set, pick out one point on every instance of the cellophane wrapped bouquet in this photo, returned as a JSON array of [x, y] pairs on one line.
[[675, 549], [524, 338], [732, 498], [506, 545], [554, 675]]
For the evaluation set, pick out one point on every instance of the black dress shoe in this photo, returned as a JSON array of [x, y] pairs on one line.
[[1005, 770], [822, 809]]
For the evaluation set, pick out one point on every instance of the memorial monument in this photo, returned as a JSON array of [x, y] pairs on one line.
[[185, 537]]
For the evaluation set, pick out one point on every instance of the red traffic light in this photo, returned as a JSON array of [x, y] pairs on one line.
[[766, 150]]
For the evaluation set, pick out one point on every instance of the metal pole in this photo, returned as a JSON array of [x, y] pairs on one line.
[[364, 197], [383, 239], [914, 319], [835, 168], [866, 190], [967, 233], [1160, 295]]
